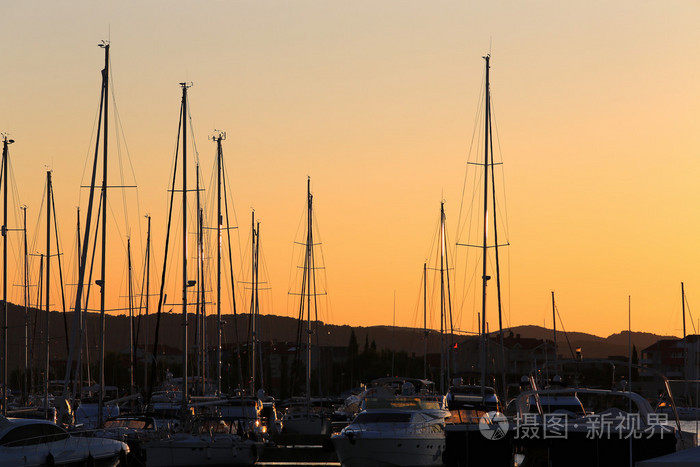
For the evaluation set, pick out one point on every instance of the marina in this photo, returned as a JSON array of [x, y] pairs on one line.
[[196, 420], [149, 315]]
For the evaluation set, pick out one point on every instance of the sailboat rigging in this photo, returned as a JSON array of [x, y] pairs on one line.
[[471, 402], [221, 196], [302, 419], [185, 282], [489, 204], [102, 128]]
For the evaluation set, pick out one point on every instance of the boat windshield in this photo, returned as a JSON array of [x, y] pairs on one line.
[[382, 417]]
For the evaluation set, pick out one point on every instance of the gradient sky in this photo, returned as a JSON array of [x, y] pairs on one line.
[[595, 106]]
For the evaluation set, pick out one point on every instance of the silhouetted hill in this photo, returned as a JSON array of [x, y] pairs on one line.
[[272, 328], [592, 346]]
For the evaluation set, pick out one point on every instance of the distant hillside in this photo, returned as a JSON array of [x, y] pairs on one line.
[[592, 346], [278, 329]]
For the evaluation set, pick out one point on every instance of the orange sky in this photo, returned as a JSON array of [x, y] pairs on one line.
[[595, 107]]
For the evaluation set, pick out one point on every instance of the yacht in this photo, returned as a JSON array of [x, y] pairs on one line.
[[606, 428], [401, 431], [209, 442], [469, 396], [307, 417], [134, 430], [31, 442]]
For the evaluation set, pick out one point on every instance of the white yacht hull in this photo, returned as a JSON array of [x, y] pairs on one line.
[[399, 451]]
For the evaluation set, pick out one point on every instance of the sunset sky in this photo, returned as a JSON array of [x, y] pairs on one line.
[[595, 113]]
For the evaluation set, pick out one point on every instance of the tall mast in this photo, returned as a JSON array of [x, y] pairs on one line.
[[26, 305], [148, 299], [683, 306], [685, 349], [258, 338], [498, 265], [219, 219], [393, 335], [185, 283], [554, 323], [484, 277], [309, 255], [49, 194], [442, 298], [253, 320], [203, 304], [103, 268], [425, 322], [78, 316], [132, 341], [5, 143], [198, 341], [78, 381]]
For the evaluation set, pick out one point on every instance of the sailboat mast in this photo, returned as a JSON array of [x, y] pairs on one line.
[[26, 305], [393, 335], [82, 260], [253, 321], [498, 264], [258, 338], [219, 155], [78, 366], [425, 322], [49, 193], [442, 298], [484, 277], [683, 306], [184, 247], [132, 342], [554, 323], [203, 302], [685, 351], [309, 254], [103, 268], [199, 332], [148, 299], [5, 143]]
